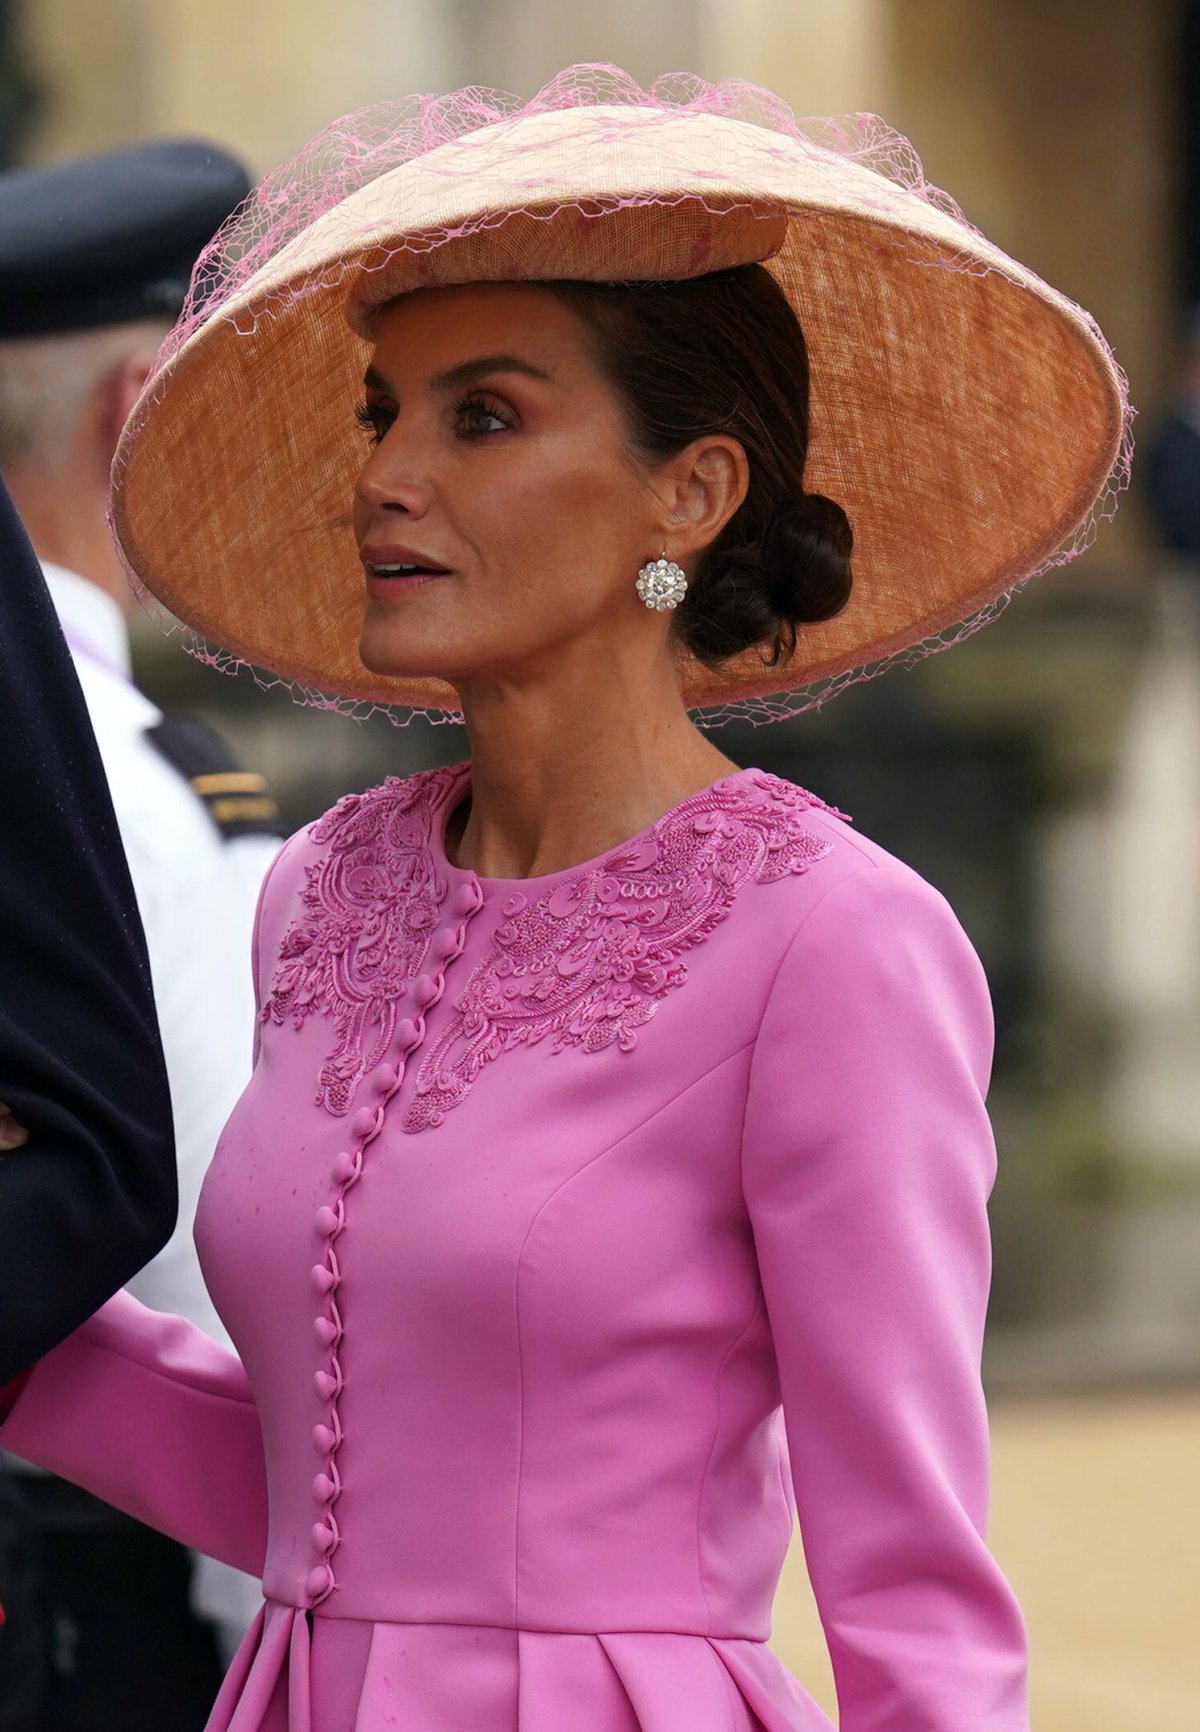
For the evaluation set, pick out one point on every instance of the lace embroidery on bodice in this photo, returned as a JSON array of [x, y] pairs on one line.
[[584, 965], [371, 903], [589, 962]]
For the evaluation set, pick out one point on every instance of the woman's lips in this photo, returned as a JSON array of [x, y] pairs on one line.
[[386, 588], [384, 576]]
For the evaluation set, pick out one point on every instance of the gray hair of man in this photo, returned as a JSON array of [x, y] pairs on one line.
[[64, 399], [47, 383]]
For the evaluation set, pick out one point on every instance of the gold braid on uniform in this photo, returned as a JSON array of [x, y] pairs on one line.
[[238, 801]]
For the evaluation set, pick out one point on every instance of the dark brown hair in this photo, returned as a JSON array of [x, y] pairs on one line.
[[724, 353]]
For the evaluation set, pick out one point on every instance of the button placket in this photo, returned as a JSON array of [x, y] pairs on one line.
[[329, 1223]]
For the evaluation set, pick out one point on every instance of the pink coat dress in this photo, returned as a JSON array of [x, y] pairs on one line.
[[549, 1202]]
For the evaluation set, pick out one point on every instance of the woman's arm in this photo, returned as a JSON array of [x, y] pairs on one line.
[[144, 1410], [868, 1161]]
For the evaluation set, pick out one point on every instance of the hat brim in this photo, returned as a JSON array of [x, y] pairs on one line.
[[965, 415]]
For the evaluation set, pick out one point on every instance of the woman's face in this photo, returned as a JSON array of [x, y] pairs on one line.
[[499, 457]]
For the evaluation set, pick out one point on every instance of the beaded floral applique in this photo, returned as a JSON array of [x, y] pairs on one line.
[[589, 963], [371, 904]]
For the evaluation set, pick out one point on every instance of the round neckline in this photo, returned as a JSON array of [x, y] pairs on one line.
[[461, 789]]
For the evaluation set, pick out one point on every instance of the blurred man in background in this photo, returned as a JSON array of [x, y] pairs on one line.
[[95, 258], [1170, 469]]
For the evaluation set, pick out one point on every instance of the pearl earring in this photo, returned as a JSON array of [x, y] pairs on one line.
[[662, 583]]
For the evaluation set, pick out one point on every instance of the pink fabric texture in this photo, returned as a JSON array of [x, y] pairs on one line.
[[509, 1445]]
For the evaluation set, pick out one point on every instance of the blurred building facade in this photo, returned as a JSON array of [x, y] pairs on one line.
[[1047, 121], [1046, 773]]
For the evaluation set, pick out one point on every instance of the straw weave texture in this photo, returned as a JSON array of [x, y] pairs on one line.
[[971, 420]]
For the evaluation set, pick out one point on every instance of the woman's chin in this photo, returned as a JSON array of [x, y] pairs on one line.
[[379, 653]]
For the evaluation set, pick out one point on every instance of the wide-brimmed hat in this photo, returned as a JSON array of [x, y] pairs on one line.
[[970, 419]]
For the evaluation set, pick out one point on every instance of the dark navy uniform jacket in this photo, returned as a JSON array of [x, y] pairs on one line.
[[1170, 475], [92, 1195]]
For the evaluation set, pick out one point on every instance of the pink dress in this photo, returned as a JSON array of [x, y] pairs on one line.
[[549, 1200]]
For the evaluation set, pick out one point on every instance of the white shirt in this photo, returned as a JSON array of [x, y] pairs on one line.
[[196, 892]]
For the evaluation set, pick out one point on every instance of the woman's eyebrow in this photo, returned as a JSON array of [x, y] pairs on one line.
[[464, 373]]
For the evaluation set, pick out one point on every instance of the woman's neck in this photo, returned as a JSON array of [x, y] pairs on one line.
[[560, 777]]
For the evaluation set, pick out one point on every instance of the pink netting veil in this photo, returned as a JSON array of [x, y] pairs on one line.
[[970, 419]]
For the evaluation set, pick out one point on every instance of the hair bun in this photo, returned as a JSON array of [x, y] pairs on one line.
[[794, 573], [806, 550]]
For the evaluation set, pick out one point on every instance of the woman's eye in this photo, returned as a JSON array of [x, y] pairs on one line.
[[474, 414], [474, 411], [374, 419]]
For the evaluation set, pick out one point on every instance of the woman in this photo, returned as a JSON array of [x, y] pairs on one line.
[[610, 1097]]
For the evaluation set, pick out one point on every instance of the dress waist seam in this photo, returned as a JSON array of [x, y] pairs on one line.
[[324, 1611]]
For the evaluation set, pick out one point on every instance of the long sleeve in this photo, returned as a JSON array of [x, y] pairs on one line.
[[147, 1412], [92, 1195], [868, 1161]]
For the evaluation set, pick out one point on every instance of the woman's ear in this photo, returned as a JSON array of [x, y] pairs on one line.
[[701, 488]]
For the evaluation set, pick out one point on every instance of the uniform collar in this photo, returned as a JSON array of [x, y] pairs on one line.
[[92, 622]]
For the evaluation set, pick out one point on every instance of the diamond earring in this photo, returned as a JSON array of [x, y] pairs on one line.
[[662, 583]]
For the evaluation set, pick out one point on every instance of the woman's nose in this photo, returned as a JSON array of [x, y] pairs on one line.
[[391, 480]]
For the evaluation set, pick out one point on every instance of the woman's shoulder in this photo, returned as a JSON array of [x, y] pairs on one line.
[[370, 829], [851, 899], [864, 942], [368, 817], [873, 986], [821, 849], [360, 818]]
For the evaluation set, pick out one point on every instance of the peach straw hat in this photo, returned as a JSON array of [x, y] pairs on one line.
[[970, 419]]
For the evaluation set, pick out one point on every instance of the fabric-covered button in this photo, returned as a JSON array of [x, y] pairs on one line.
[[425, 989], [318, 1580], [323, 1439], [325, 1221], [325, 1384], [323, 1488], [363, 1122], [385, 1079], [322, 1536], [445, 945], [345, 1167], [325, 1330], [323, 1279], [407, 1035], [467, 899]]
